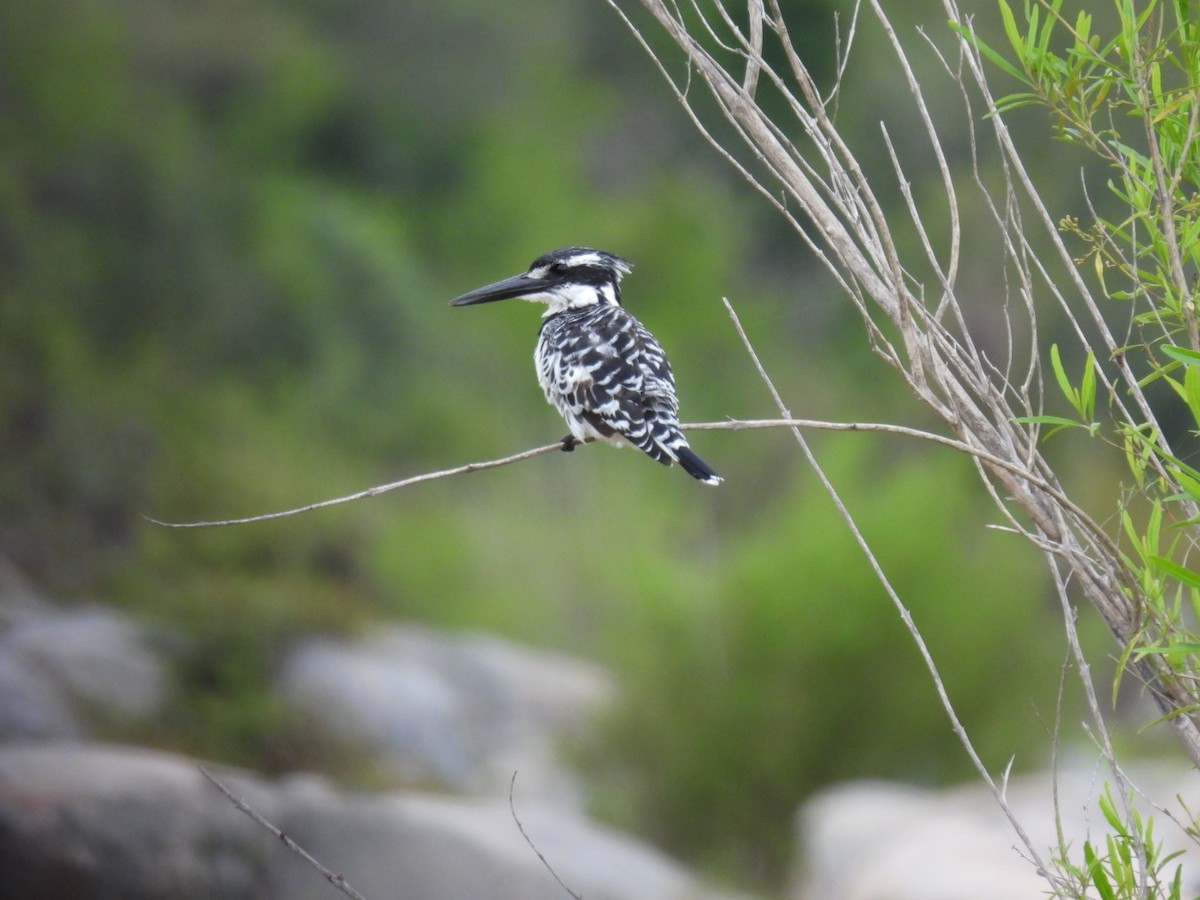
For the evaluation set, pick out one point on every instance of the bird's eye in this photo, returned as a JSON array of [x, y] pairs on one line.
[[557, 268]]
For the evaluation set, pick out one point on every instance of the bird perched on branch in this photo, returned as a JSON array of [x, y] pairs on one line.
[[597, 364]]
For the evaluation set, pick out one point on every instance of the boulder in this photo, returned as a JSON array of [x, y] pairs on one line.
[[94, 822], [31, 704], [872, 840], [430, 847], [96, 656], [61, 668], [98, 822], [455, 711]]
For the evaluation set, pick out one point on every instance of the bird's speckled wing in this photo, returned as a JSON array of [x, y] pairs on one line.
[[609, 378]]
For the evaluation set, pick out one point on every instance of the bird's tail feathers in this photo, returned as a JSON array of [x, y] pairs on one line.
[[695, 466]]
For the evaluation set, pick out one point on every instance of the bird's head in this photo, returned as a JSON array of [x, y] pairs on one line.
[[569, 278]]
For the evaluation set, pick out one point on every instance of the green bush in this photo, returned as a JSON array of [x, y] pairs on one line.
[[752, 681]]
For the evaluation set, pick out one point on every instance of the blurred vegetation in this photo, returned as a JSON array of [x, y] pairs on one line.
[[227, 235]]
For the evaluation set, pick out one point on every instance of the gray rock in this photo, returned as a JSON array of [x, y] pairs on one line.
[[456, 711], [98, 822], [55, 665], [31, 705], [885, 841], [95, 656], [878, 841], [17, 596], [427, 847]]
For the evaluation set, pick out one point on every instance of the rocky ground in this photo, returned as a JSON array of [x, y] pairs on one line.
[[456, 714]]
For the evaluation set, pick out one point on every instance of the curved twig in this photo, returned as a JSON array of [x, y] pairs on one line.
[[512, 808], [727, 425], [338, 881], [885, 582], [369, 492]]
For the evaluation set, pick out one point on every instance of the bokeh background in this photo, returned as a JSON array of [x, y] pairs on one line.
[[228, 232]]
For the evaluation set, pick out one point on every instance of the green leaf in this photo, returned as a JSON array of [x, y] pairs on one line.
[[1122, 664], [1132, 532], [1059, 424], [1183, 354], [1032, 36], [1190, 485], [1096, 872], [1153, 528], [1048, 26], [1048, 420], [1120, 861], [1083, 27], [1176, 571], [1167, 649], [1087, 388], [1108, 808], [1010, 27], [1182, 711], [1016, 101], [991, 55], [1191, 392], [1064, 383]]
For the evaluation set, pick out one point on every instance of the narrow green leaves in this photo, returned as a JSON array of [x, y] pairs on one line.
[[1082, 398]]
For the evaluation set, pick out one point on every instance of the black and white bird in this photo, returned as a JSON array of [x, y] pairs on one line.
[[597, 364]]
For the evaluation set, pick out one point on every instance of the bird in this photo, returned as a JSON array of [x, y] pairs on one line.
[[597, 364]]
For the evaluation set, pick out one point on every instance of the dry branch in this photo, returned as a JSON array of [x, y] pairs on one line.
[[727, 425], [512, 808], [932, 351], [905, 615], [338, 881]]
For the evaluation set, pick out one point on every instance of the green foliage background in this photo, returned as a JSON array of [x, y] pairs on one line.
[[227, 235]]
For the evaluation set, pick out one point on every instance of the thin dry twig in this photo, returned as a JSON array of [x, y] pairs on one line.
[[726, 425], [338, 881], [1099, 728], [998, 790], [369, 492], [532, 846]]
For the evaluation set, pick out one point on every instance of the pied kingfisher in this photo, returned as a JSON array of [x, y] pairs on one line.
[[597, 364]]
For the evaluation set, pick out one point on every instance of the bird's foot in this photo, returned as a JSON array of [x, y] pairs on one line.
[[569, 442]]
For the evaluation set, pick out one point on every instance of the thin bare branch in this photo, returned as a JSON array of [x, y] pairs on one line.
[[726, 425], [906, 617], [757, 14], [841, 54], [370, 492], [338, 881], [1099, 728], [532, 846]]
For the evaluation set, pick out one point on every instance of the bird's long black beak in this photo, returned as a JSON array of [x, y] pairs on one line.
[[508, 289]]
